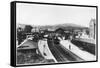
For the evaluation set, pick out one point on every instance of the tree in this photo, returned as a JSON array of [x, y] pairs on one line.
[[28, 28], [87, 32]]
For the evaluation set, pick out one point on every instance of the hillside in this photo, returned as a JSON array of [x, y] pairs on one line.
[[65, 26]]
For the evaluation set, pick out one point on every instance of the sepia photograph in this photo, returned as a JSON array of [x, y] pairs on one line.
[[48, 34]]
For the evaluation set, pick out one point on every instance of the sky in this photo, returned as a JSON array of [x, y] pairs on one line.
[[40, 14]]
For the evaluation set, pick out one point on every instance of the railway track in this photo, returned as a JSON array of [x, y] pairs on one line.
[[89, 47], [61, 54]]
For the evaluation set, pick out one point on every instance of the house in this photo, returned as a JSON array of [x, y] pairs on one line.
[[60, 31]]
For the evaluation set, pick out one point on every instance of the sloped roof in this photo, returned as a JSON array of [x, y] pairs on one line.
[[29, 44]]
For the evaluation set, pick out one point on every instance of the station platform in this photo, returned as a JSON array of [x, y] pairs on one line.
[[74, 49]]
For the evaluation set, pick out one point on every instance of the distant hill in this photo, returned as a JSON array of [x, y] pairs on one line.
[[65, 26]]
